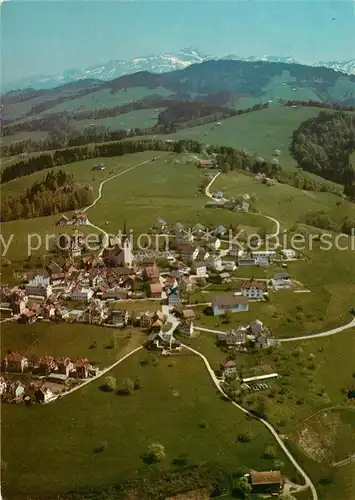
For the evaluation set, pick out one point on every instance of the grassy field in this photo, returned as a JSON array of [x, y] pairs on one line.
[[260, 132], [287, 203], [308, 384], [106, 99], [23, 136], [82, 170], [145, 118], [164, 189], [330, 275], [307, 371], [288, 314], [73, 340], [185, 417], [329, 436]]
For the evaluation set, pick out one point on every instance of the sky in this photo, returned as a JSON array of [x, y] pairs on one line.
[[51, 36]]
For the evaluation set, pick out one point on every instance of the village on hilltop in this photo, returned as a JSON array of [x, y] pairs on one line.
[[96, 288]]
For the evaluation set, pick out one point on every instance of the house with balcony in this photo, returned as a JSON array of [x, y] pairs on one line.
[[254, 289]]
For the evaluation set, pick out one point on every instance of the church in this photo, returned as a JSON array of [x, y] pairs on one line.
[[121, 255]]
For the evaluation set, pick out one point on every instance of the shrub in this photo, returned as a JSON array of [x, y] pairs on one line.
[[244, 437], [127, 387], [156, 452], [270, 453], [110, 384]]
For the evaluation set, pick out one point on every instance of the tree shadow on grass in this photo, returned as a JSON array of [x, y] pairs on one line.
[[180, 461], [104, 388], [122, 392], [149, 459]]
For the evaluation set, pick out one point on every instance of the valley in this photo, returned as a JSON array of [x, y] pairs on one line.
[[158, 348]]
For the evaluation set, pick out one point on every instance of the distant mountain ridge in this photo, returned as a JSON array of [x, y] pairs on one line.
[[158, 63]]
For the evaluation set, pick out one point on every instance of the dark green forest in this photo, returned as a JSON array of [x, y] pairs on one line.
[[323, 145], [55, 193]]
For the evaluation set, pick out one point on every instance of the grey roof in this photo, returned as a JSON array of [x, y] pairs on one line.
[[229, 300]]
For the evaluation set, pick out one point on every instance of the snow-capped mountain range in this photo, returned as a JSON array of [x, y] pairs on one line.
[[160, 63]]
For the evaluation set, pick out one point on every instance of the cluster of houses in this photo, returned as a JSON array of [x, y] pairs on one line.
[[252, 336], [242, 204], [59, 369], [80, 218], [91, 282], [46, 371]]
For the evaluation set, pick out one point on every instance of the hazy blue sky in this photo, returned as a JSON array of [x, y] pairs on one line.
[[51, 36]]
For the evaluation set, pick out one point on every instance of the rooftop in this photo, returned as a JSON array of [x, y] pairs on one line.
[[229, 300], [268, 477], [254, 284]]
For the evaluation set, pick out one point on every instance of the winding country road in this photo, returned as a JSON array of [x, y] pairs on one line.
[[282, 445], [99, 375], [98, 198], [276, 222], [326, 333]]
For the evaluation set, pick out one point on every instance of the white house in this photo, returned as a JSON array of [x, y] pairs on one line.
[[214, 244], [38, 290], [214, 263], [40, 279], [186, 328], [234, 337], [75, 250], [288, 253], [189, 252], [260, 254], [229, 265], [253, 289], [184, 239], [3, 386], [203, 254], [256, 327], [199, 268], [82, 294]]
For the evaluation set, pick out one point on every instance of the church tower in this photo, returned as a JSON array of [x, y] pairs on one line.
[[126, 248]]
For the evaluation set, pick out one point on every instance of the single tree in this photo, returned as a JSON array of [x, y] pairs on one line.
[[110, 383], [270, 452], [156, 452], [127, 386]]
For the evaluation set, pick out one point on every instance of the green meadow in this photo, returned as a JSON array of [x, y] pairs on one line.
[[187, 418]]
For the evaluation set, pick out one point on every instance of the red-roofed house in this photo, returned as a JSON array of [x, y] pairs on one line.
[[81, 217], [65, 366], [206, 163], [15, 362], [253, 289], [151, 273], [82, 367], [155, 290]]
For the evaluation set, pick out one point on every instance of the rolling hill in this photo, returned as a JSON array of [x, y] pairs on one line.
[[259, 80], [155, 63]]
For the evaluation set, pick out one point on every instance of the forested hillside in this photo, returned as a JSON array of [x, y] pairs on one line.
[[323, 145], [56, 192]]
